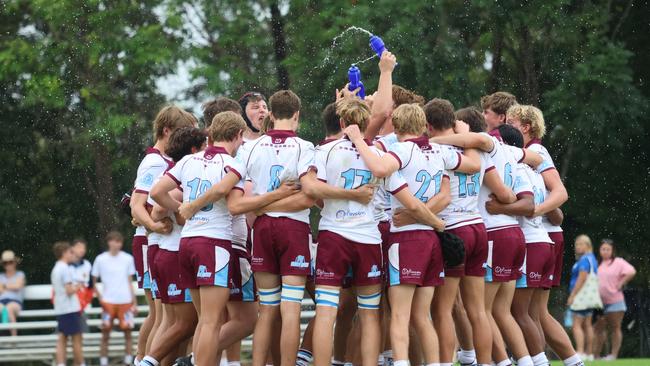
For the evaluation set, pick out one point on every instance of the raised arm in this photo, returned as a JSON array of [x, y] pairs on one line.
[[471, 140], [557, 193], [383, 102], [214, 194], [380, 166]]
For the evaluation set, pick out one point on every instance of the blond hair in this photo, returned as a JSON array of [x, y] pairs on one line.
[[226, 126], [353, 112], [172, 117], [409, 119], [584, 239], [529, 115]]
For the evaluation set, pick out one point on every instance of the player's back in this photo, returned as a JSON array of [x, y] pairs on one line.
[[423, 170], [195, 174], [151, 168], [274, 158], [339, 164], [547, 164], [533, 227]]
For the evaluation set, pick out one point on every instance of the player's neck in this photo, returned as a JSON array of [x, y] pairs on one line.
[[284, 124], [527, 139], [227, 145], [160, 145], [447, 132], [250, 135], [403, 138], [335, 136]]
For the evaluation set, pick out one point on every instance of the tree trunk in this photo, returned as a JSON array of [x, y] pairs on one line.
[[530, 84], [104, 197], [279, 45], [494, 80]]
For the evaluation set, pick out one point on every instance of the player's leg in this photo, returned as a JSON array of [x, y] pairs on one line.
[[305, 355], [473, 293], [293, 291], [520, 311], [498, 344], [156, 324], [420, 309], [400, 298], [510, 330], [554, 332], [215, 299], [269, 290], [327, 300], [240, 324], [464, 333], [344, 321], [368, 298], [614, 320], [441, 307]]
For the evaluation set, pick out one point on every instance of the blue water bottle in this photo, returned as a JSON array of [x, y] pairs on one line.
[[377, 45], [354, 76]]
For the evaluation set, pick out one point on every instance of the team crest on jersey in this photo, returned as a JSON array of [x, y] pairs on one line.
[[299, 262], [147, 179], [374, 271], [203, 272], [172, 290]]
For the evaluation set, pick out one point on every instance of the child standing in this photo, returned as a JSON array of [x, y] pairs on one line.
[[66, 304]]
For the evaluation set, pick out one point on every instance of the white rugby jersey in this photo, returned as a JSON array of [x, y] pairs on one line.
[[339, 164], [274, 158], [504, 159], [383, 210], [171, 241], [195, 174], [463, 208], [547, 164], [421, 170], [533, 228], [151, 168]]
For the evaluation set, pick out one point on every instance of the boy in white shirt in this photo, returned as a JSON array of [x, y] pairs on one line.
[[116, 269], [66, 304]]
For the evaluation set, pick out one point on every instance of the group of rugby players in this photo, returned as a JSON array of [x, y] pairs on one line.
[[220, 208]]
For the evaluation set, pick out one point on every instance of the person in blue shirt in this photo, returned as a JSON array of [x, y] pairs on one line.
[[583, 332]]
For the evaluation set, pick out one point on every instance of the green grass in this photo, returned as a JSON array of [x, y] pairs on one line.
[[621, 362]]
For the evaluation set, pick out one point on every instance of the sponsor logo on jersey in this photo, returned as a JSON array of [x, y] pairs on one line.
[[172, 290], [203, 272], [324, 274], [374, 271], [502, 271], [407, 272], [345, 214], [299, 262], [535, 276]]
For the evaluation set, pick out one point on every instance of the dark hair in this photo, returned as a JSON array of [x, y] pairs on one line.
[[79, 241], [331, 120], [114, 235], [246, 98], [498, 102], [59, 248], [284, 104], [183, 140], [440, 114], [473, 117], [609, 242], [511, 136], [216, 106]]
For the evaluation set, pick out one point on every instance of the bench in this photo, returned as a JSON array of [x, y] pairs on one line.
[[37, 337]]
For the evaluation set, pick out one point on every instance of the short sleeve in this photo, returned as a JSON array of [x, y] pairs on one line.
[[152, 167], [176, 173], [402, 153], [496, 144], [547, 161], [395, 183], [583, 264], [451, 158], [320, 161], [306, 159], [518, 153], [68, 275], [95, 270], [522, 184], [486, 162], [626, 267], [235, 166], [388, 141]]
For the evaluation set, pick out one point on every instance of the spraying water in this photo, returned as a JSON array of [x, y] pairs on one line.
[[335, 40]]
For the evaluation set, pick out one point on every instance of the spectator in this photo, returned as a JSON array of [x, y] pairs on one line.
[[81, 268], [12, 285], [579, 285], [613, 273], [116, 269], [66, 304]]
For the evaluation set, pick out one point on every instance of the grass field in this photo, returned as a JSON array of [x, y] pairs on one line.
[[621, 362]]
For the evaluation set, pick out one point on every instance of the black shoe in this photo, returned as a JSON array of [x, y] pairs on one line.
[[184, 361]]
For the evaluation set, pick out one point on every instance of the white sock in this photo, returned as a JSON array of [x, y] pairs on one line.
[[103, 361], [381, 361], [136, 361], [387, 353], [234, 363], [60, 364], [466, 356], [574, 360], [525, 361], [334, 362], [223, 361], [401, 363], [444, 364], [540, 359], [505, 362], [128, 359], [435, 364], [149, 361]]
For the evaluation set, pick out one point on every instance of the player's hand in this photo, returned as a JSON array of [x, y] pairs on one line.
[[163, 226], [187, 210], [401, 217], [353, 133], [346, 93], [387, 62], [440, 225], [365, 193], [135, 222], [288, 188], [493, 206], [461, 127]]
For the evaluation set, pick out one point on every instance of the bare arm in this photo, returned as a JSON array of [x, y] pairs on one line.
[[141, 214], [470, 140], [532, 158], [555, 217], [321, 190], [524, 206], [435, 204], [294, 203], [500, 191], [379, 166], [161, 193], [239, 203], [418, 210], [214, 194], [470, 162], [557, 192], [383, 102]]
